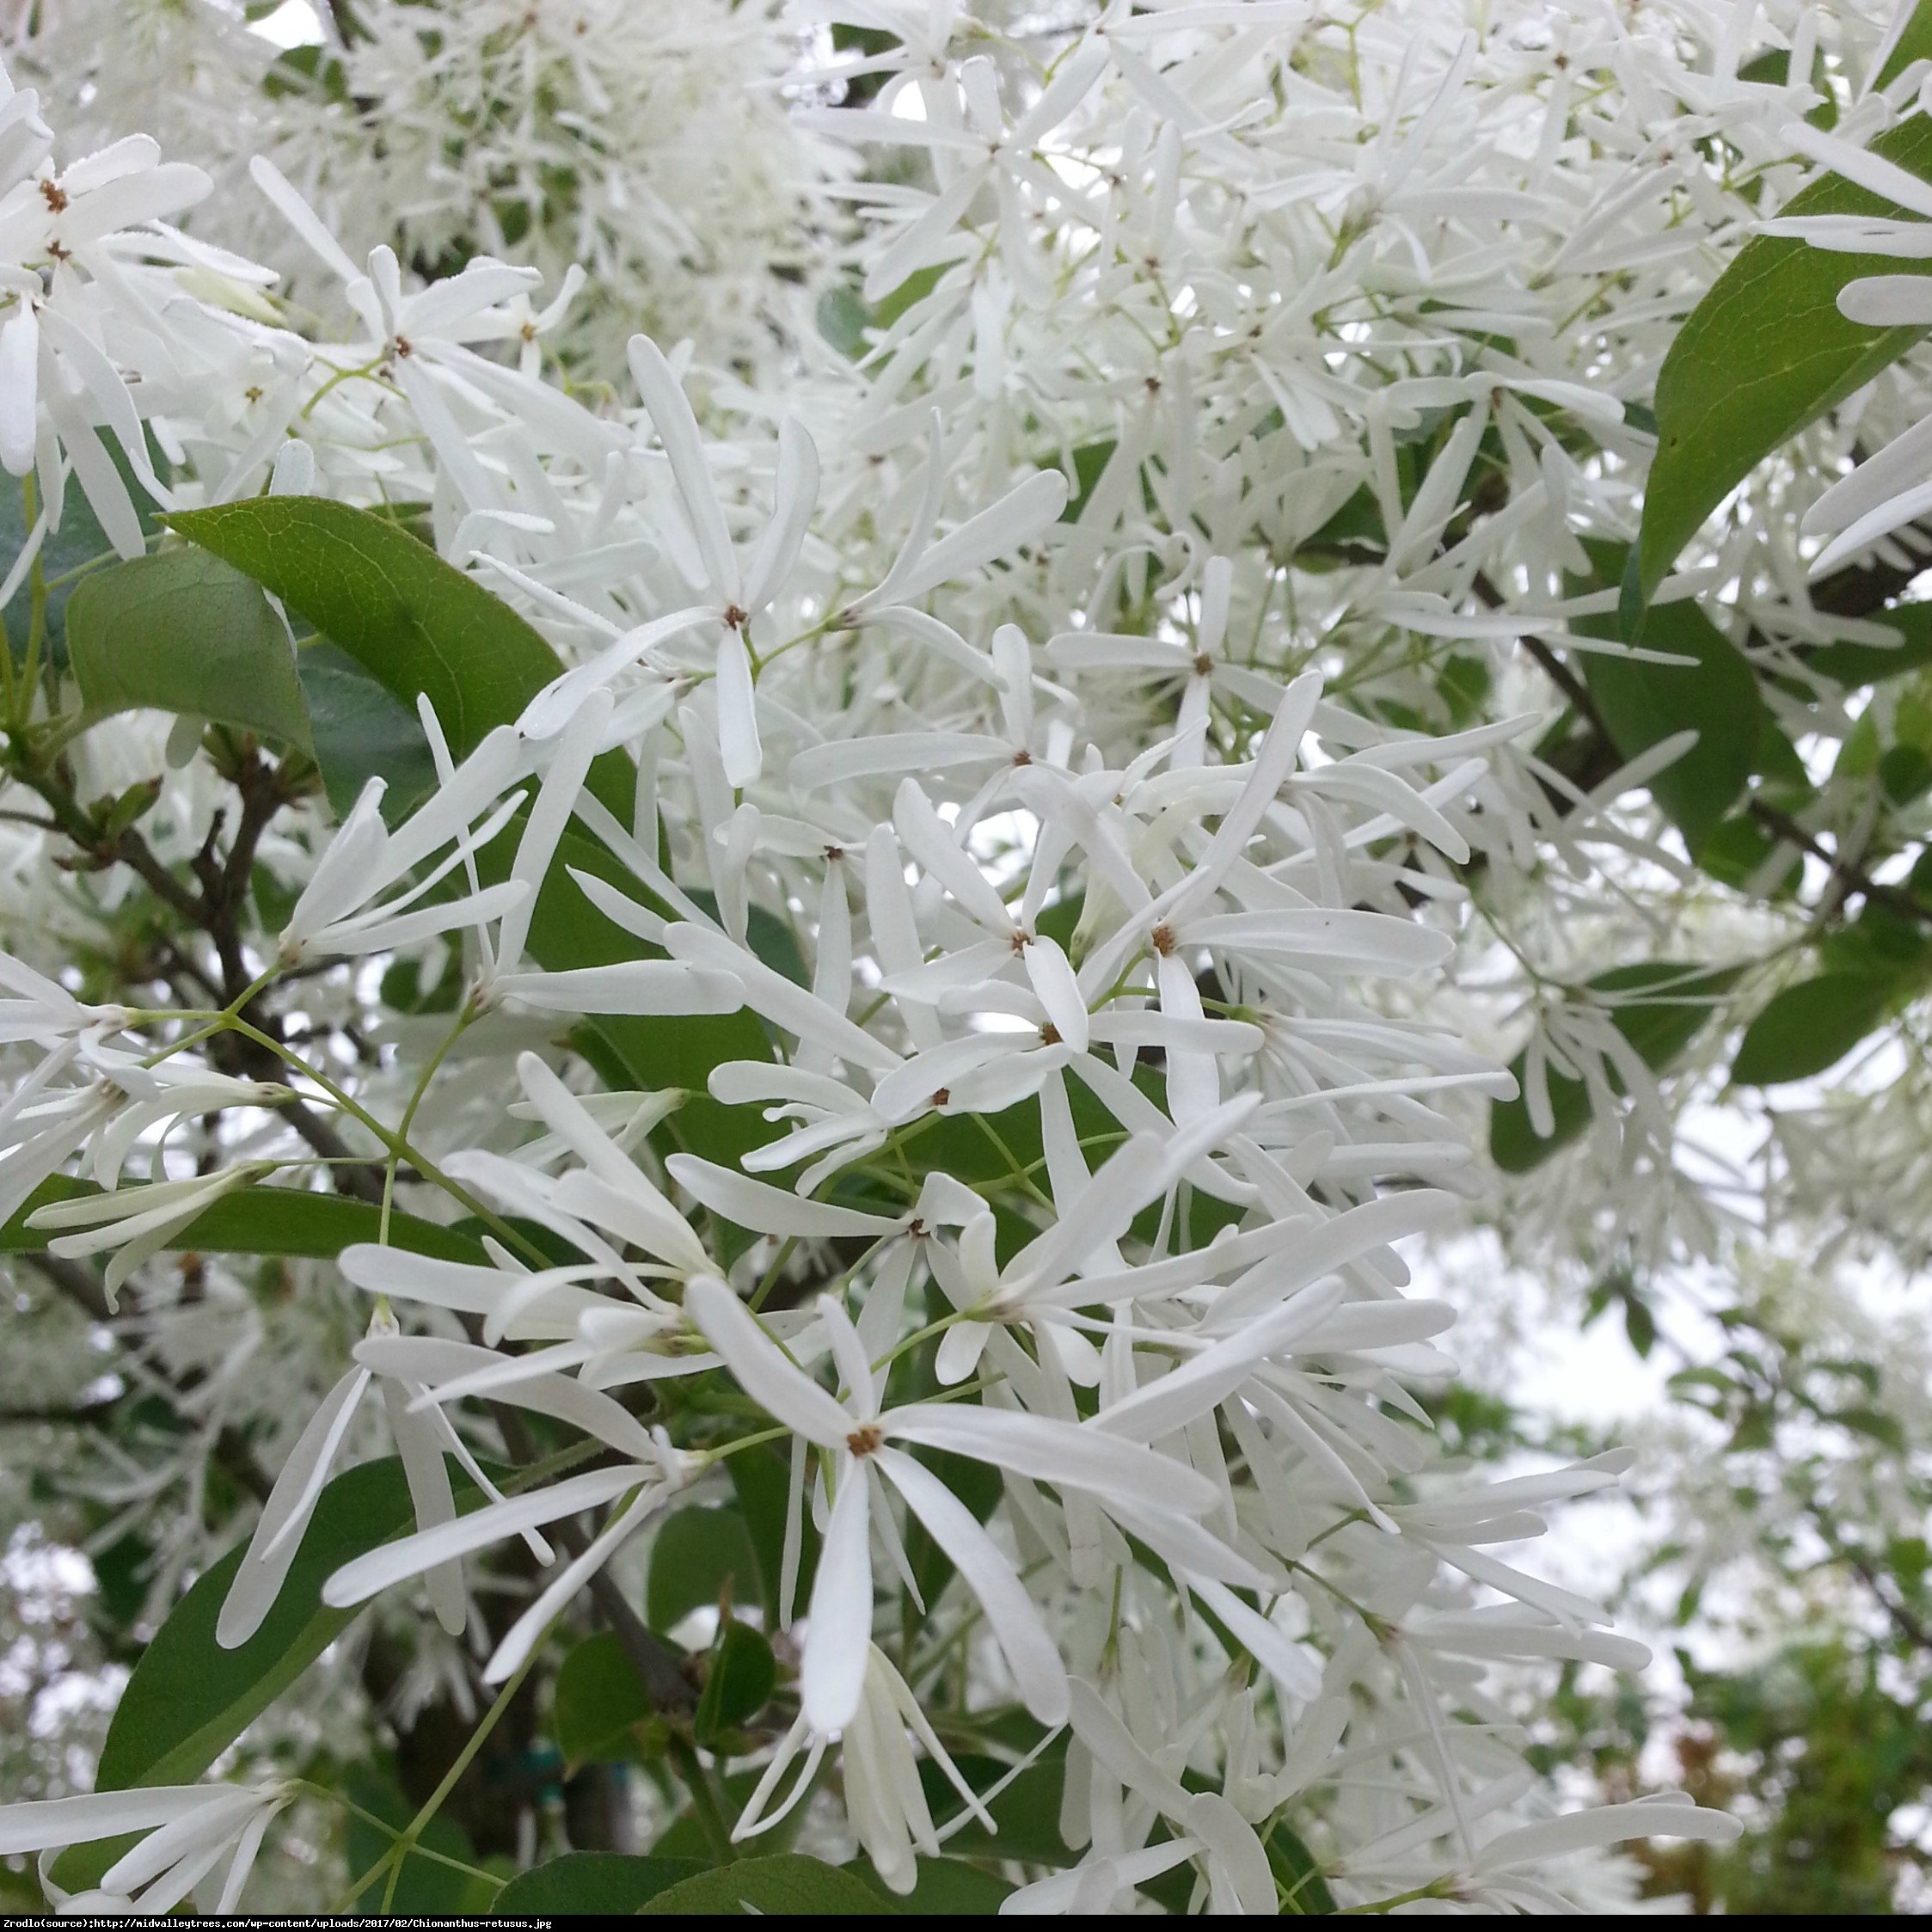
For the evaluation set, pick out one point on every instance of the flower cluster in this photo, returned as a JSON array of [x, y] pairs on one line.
[[1030, 762]]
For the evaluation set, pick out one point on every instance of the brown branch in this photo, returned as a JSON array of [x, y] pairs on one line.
[[1849, 877]]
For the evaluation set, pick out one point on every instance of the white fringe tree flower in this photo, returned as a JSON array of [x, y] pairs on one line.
[[877, 722]]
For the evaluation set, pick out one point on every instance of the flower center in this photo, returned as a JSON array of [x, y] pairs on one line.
[[865, 1440]]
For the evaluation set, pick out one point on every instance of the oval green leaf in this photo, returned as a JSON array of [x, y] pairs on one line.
[[189, 1699], [416, 623], [599, 1696], [1812, 1026], [185, 632], [1764, 352], [698, 1555], [272, 1221], [791, 1885], [592, 1881]]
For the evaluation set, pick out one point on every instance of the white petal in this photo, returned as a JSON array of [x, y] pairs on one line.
[[208, 1831], [19, 363], [794, 498], [1674, 1816], [1231, 1842], [526, 1631], [301, 218], [1883, 177], [778, 1386], [1019, 515], [737, 715], [1175, 1399], [930, 842], [770, 1211], [677, 427], [102, 1814], [832, 1679], [638, 1212], [1271, 1647], [886, 754], [1010, 1613], [358, 1581], [1058, 992], [1887, 301], [781, 1001], [421, 1449], [570, 760], [1346, 940], [428, 1360], [279, 1532], [1062, 1453], [649, 989]]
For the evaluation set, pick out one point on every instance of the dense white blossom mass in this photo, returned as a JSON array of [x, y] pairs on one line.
[[1054, 527]]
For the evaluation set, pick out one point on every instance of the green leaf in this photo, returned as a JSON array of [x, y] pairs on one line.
[[1914, 44], [843, 318], [1875, 1423], [189, 1699], [1026, 1813], [1639, 1324], [1813, 1025], [277, 1221], [598, 1697], [1305, 1891], [186, 633], [1090, 462], [1856, 664], [1764, 352], [78, 542], [763, 1481], [942, 1888], [791, 1885], [1642, 703], [1675, 1001], [360, 730], [592, 1881], [417, 626], [309, 70], [415, 622], [697, 1555], [1739, 851], [743, 1674]]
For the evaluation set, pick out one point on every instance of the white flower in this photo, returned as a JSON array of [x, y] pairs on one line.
[[884, 1799], [116, 1103], [859, 1436], [639, 1488], [38, 1009], [342, 909], [736, 592], [56, 225], [190, 1829], [136, 1223]]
